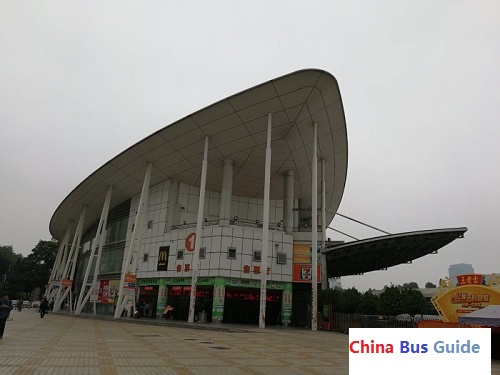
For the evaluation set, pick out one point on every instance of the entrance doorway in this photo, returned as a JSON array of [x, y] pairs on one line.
[[148, 296], [178, 298], [242, 306]]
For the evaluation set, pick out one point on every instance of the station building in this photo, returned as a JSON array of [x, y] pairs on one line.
[[212, 215]]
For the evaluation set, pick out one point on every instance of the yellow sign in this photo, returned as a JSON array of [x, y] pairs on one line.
[[302, 254], [469, 293]]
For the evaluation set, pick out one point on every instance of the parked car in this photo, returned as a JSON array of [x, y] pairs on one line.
[[26, 304], [35, 304]]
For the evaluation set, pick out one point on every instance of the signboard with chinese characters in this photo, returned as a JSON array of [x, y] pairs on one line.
[[302, 254], [129, 283], [466, 294]]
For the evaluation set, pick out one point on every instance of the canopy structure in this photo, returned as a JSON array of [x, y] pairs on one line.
[[237, 128], [379, 253], [487, 316]]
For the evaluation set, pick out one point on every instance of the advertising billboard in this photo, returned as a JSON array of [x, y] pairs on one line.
[[464, 294]]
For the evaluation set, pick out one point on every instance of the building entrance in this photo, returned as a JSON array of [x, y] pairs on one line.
[[148, 298], [242, 306], [178, 298]]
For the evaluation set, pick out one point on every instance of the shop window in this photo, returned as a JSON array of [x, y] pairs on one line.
[[281, 257], [257, 255], [231, 253]]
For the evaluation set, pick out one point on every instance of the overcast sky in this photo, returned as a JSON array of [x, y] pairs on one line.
[[420, 83]]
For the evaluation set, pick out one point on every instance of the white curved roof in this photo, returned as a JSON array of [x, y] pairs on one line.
[[237, 129]]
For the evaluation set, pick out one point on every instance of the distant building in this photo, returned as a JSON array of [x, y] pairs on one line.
[[460, 269]]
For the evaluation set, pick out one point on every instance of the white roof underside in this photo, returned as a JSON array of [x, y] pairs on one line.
[[236, 127]]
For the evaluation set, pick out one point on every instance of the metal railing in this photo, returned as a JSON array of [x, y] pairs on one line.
[[342, 322]]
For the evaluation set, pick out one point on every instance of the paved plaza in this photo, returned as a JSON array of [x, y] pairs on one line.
[[65, 344]]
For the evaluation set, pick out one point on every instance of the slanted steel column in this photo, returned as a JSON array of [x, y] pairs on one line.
[[324, 279], [100, 235], [226, 193], [198, 240], [265, 228], [288, 202], [130, 264], [314, 231], [58, 267], [71, 262]]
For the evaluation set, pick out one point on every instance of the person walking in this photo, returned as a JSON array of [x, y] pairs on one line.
[[44, 306], [6, 307]]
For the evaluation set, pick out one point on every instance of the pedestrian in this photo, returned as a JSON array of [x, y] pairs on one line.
[[44, 306], [6, 307], [147, 307]]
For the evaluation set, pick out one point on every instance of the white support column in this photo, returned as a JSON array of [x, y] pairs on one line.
[[56, 274], [265, 228], [324, 279], [314, 232], [198, 239], [71, 262], [295, 213], [226, 193], [83, 297], [130, 264], [64, 260], [288, 202]]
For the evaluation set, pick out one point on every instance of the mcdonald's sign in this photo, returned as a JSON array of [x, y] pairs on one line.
[[163, 258]]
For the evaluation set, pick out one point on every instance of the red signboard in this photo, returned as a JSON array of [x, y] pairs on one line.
[[302, 273], [470, 279], [67, 283], [190, 241], [130, 278]]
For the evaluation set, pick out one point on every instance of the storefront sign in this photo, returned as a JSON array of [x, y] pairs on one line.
[[302, 273], [163, 254], [302, 254], [190, 241]]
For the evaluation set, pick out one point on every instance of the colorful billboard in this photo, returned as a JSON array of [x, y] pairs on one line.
[[302, 264], [464, 294], [108, 289]]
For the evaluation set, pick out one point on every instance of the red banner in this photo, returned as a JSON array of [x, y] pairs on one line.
[[470, 279]]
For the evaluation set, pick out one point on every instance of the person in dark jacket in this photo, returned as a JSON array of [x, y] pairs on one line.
[[6, 307], [44, 306]]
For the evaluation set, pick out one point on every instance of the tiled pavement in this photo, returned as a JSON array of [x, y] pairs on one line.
[[64, 344]]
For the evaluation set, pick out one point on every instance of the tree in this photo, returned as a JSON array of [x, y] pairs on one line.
[[390, 301], [428, 284], [411, 285], [7, 261], [34, 270], [370, 304], [413, 302], [349, 301]]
